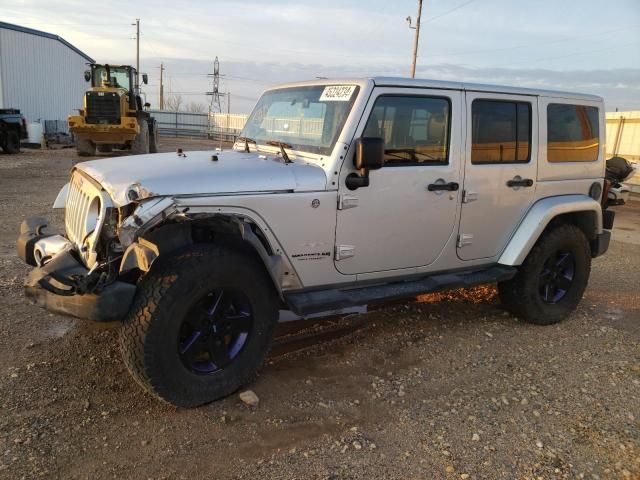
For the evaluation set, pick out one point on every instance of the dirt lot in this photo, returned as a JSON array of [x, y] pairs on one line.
[[449, 386]]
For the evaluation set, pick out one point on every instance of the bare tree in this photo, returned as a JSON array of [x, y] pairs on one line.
[[173, 103], [195, 107]]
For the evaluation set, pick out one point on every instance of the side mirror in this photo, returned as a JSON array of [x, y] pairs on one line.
[[369, 153], [147, 105], [369, 156], [87, 75], [145, 78]]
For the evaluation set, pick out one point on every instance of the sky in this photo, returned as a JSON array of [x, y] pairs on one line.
[[590, 46]]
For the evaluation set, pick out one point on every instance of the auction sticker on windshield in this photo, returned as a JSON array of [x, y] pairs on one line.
[[337, 93]]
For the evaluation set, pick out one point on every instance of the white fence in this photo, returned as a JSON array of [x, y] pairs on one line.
[[623, 139], [225, 126], [221, 126]]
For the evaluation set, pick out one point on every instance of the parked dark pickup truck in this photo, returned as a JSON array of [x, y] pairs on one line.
[[13, 128]]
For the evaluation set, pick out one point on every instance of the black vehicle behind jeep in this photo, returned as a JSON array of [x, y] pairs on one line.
[[13, 128]]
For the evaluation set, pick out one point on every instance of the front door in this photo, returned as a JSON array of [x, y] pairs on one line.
[[405, 216], [500, 171]]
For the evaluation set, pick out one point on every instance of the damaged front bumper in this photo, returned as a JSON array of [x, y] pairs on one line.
[[63, 284]]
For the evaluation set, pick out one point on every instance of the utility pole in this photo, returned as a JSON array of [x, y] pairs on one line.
[[161, 87], [137, 25], [228, 102], [415, 38]]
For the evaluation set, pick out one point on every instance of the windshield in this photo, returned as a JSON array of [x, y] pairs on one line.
[[308, 119], [119, 77]]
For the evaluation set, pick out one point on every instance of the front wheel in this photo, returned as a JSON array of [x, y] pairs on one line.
[[551, 281], [201, 325], [85, 148]]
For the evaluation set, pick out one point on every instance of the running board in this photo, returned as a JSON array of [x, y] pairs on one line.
[[304, 303]]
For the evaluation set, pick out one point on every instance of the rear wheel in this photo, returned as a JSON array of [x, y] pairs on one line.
[[140, 144], [200, 326], [104, 148], [551, 281], [153, 138], [85, 148]]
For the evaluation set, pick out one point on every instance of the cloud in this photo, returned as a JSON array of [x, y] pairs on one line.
[[575, 45], [246, 80]]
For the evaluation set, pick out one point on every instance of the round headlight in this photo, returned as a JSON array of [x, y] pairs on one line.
[[595, 191]]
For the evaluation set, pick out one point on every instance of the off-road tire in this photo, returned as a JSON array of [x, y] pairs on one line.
[[521, 294], [85, 148], [140, 144], [12, 143], [153, 138], [104, 148], [149, 335]]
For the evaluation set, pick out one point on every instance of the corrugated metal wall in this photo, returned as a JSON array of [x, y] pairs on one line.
[[40, 76]]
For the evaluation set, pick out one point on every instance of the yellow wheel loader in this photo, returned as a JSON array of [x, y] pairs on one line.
[[113, 115]]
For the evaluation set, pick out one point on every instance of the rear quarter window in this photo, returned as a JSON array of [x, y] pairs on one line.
[[572, 133]]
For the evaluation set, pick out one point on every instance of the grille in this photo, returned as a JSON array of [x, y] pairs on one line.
[[76, 209], [84, 216], [103, 108]]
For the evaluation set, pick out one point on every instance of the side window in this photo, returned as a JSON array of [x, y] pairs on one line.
[[501, 132], [415, 129], [572, 133]]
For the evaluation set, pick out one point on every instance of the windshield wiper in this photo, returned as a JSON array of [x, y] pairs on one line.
[[247, 141], [282, 145]]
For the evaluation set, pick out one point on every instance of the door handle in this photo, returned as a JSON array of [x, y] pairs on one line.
[[520, 182], [451, 186]]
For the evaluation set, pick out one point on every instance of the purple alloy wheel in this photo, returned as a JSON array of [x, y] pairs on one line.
[[214, 331], [556, 277]]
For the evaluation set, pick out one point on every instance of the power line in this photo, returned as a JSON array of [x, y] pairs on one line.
[[431, 19], [584, 52], [535, 44]]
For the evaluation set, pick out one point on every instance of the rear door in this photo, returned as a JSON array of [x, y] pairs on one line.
[[500, 171]]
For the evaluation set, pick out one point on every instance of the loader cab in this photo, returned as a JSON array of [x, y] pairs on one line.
[[121, 78]]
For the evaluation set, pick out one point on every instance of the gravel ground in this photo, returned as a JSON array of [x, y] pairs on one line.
[[445, 387]]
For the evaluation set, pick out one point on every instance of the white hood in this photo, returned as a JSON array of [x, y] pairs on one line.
[[168, 174]]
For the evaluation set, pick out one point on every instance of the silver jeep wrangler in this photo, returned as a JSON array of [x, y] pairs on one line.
[[338, 194]]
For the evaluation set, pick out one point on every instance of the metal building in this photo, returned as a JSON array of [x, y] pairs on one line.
[[40, 73]]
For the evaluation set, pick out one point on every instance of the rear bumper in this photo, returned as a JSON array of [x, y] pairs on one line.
[[60, 286], [601, 243]]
